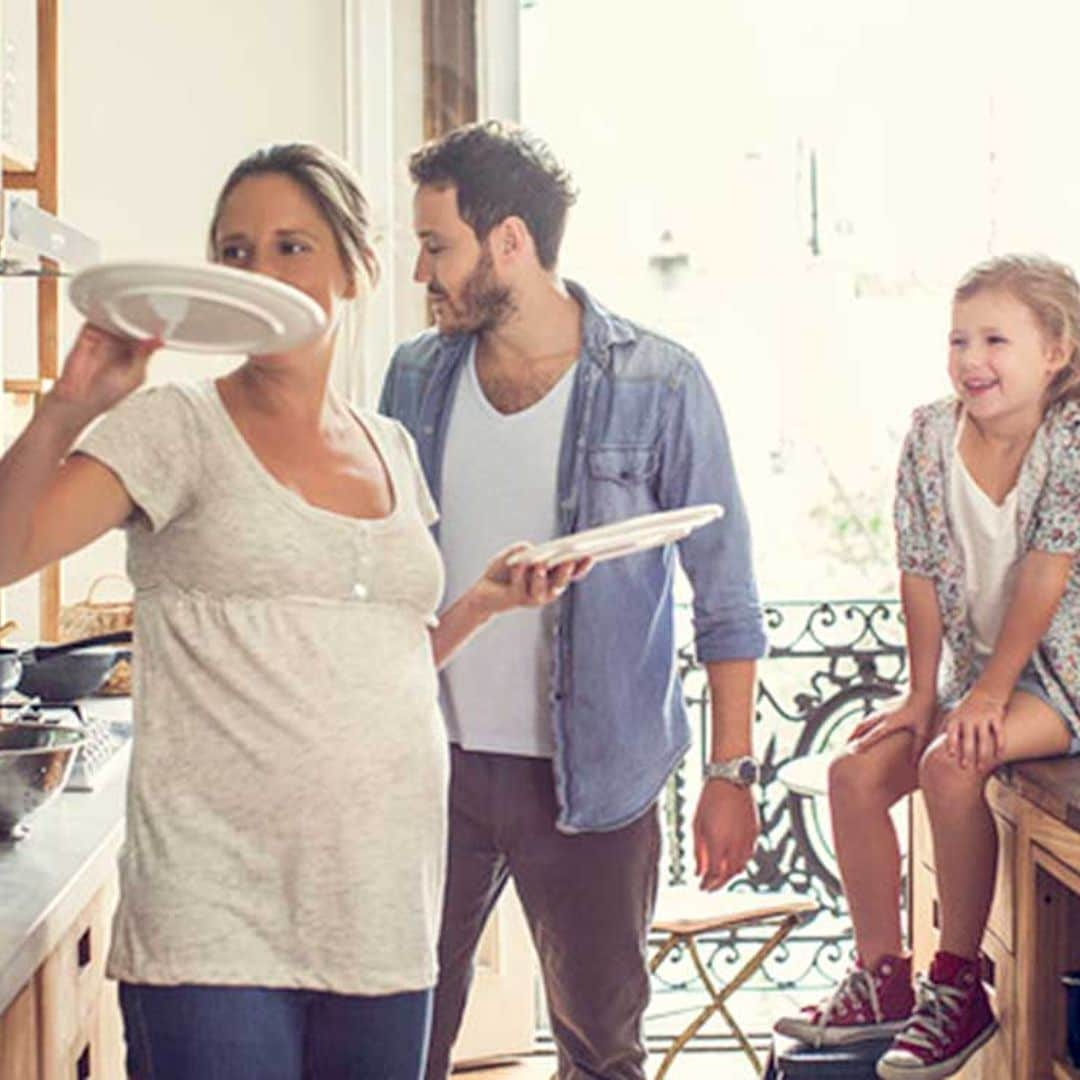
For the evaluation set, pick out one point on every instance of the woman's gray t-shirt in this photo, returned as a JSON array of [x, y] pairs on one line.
[[287, 800]]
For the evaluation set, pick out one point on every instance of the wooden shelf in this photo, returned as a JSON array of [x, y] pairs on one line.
[[27, 386], [1062, 1070], [17, 162]]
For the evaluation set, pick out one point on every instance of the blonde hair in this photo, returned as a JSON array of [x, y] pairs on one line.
[[332, 186], [1051, 292]]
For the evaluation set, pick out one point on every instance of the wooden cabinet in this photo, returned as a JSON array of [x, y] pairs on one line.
[[40, 176], [19, 1037], [65, 1025], [1033, 933]]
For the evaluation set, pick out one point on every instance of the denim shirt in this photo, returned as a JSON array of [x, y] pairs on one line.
[[643, 433]]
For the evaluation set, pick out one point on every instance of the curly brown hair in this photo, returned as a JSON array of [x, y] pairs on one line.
[[500, 170]]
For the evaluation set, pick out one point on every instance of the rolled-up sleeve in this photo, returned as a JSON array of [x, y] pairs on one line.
[[1057, 511], [696, 467], [914, 552]]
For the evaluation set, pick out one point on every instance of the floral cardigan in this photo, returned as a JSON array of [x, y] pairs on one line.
[[1049, 512]]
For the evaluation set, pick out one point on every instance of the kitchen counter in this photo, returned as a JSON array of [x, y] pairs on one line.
[[47, 878], [1052, 784]]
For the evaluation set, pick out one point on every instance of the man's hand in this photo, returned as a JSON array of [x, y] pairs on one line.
[[726, 829]]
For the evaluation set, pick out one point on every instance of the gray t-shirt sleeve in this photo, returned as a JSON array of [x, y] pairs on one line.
[[151, 443]]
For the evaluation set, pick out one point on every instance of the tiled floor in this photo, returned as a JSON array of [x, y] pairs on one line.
[[688, 1066]]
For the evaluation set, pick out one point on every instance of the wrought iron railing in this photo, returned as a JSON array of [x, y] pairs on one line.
[[830, 664]]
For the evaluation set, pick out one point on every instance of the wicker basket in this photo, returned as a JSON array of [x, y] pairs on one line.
[[90, 617]]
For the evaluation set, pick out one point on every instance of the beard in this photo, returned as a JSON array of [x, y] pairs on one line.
[[483, 303]]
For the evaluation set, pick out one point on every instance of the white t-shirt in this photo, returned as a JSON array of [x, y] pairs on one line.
[[989, 539], [287, 799], [499, 485]]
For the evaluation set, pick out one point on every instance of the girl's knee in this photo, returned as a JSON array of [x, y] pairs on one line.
[[851, 782], [942, 777]]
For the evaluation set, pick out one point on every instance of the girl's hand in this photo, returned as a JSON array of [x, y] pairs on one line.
[[101, 370], [911, 714], [504, 587], [975, 729]]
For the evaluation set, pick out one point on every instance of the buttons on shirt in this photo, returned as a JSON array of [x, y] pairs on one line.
[[360, 591]]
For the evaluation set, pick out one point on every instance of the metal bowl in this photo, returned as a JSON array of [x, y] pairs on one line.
[[35, 762]]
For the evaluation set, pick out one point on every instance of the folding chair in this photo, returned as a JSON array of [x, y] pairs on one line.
[[686, 913]]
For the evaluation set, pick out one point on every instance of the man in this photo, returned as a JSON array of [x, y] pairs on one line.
[[537, 413]]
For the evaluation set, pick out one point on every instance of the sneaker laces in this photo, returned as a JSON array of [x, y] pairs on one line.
[[856, 988], [937, 1006]]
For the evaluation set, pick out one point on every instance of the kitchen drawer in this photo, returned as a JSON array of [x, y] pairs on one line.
[[70, 983]]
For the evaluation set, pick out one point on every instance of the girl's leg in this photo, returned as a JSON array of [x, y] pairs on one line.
[[875, 999], [212, 1032], [965, 837], [356, 1037], [862, 788], [953, 1018]]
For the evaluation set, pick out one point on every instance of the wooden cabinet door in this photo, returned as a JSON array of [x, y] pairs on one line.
[[72, 985], [19, 1037]]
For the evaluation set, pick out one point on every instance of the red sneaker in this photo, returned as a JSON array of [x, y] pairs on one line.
[[868, 1004], [952, 1020]]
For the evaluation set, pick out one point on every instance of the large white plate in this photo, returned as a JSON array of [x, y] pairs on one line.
[[620, 537], [197, 307]]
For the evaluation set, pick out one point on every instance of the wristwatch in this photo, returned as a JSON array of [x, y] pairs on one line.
[[740, 771]]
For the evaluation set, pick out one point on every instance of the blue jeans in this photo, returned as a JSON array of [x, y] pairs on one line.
[[229, 1033]]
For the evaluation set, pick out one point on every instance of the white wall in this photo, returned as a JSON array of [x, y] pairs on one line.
[[157, 101]]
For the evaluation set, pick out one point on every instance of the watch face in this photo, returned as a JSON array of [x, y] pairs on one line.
[[748, 771]]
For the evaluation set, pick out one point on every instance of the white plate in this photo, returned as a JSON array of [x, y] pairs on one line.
[[197, 307], [620, 537]]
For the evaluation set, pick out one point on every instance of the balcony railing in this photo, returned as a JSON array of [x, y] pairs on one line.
[[830, 664]]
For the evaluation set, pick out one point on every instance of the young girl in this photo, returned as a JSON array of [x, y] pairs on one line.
[[988, 527], [282, 877]]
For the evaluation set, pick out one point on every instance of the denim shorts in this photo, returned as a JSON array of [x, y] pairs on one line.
[[1030, 682]]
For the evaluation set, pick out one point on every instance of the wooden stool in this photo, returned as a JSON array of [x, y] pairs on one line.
[[792, 1060], [685, 913]]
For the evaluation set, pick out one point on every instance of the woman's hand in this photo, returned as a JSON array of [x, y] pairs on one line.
[[910, 713], [503, 587], [101, 369], [975, 729]]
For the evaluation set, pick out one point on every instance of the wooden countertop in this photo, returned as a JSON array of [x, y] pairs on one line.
[[1052, 784]]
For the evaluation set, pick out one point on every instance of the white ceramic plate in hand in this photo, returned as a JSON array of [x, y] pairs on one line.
[[197, 307], [620, 537]]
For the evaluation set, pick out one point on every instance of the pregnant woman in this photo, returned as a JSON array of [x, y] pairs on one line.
[[282, 878]]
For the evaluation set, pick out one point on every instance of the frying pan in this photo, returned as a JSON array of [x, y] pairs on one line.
[[63, 672]]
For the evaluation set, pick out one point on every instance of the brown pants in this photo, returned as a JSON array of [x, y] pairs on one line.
[[588, 899]]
